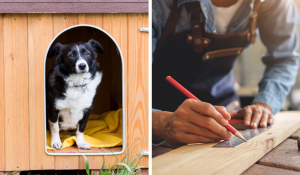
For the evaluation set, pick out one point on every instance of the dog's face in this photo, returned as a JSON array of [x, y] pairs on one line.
[[76, 57]]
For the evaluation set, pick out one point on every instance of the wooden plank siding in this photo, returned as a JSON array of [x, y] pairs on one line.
[[2, 99], [39, 26], [16, 86], [138, 86], [26, 38]]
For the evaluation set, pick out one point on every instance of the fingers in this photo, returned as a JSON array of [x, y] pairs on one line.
[[197, 130], [206, 109], [211, 124], [264, 119], [222, 110], [257, 114], [270, 119], [247, 115]]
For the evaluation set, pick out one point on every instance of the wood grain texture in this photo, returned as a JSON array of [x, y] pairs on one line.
[[16, 92], [40, 34], [61, 22], [80, 7], [138, 86], [2, 100], [187, 159]]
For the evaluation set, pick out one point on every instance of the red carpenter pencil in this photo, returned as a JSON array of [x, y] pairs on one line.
[[188, 94]]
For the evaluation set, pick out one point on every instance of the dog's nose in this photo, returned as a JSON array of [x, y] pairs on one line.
[[82, 66]]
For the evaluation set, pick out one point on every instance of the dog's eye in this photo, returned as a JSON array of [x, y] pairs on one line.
[[86, 54], [72, 55]]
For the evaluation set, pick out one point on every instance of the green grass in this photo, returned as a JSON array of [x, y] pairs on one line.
[[127, 166]]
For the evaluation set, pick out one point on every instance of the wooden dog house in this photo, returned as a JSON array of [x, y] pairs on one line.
[[109, 95], [27, 28]]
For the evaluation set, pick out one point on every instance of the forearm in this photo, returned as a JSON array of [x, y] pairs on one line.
[[278, 32], [276, 84]]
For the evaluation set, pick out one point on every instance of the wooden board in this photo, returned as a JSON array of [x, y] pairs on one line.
[[202, 159], [61, 22], [16, 92], [39, 26], [2, 98], [138, 86]]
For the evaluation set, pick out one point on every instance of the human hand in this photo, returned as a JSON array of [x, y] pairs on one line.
[[192, 122], [254, 115]]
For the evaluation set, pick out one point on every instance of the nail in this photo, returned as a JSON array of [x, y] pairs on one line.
[[247, 123], [224, 122], [254, 125], [271, 121]]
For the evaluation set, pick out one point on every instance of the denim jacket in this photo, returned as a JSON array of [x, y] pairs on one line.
[[277, 29]]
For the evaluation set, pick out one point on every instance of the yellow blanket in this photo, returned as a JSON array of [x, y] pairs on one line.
[[103, 130]]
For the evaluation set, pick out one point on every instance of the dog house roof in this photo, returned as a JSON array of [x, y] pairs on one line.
[[74, 6]]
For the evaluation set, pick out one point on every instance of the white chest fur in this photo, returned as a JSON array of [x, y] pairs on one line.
[[79, 95]]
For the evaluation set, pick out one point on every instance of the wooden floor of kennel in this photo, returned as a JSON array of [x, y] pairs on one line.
[[24, 39]]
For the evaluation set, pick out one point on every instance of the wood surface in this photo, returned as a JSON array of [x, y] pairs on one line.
[[203, 159], [2, 99], [16, 91], [39, 26], [138, 86], [79, 7]]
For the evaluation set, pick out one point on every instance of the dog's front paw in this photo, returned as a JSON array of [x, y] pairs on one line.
[[56, 143], [83, 145]]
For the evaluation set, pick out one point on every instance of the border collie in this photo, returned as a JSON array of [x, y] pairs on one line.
[[71, 88]]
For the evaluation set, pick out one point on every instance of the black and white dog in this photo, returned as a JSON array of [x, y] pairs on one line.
[[71, 88]]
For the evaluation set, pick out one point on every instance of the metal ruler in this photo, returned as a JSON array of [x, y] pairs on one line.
[[235, 141]]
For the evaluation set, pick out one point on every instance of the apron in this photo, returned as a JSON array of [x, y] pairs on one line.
[[200, 61]]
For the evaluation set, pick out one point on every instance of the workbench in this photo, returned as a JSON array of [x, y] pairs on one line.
[[283, 158]]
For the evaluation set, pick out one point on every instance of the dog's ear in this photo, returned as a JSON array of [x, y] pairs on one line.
[[96, 46], [54, 50]]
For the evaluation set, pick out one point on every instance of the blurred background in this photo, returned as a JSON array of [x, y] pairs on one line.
[[249, 69]]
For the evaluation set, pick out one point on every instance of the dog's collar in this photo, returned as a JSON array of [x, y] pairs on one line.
[[81, 87]]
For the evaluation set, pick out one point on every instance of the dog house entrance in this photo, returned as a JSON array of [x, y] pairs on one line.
[[105, 128]]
